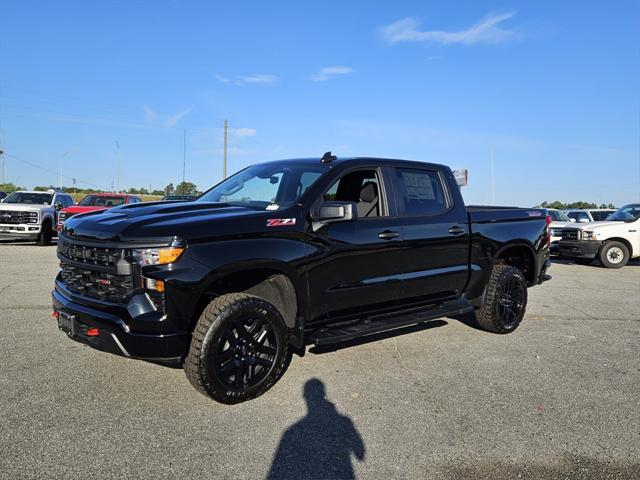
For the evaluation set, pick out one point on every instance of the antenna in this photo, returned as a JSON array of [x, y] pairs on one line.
[[327, 158]]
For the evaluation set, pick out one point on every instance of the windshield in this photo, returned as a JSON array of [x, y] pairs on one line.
[[630, 213], [100, 201], [264, 184], [558, 216], [29, 198]]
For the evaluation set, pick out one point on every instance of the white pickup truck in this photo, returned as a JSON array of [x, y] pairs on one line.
[[32, 215], [614, 242]]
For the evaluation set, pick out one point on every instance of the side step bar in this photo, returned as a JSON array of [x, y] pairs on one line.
[[381, 323]]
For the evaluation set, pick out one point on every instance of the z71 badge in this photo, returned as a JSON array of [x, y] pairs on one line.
[[280, 222]]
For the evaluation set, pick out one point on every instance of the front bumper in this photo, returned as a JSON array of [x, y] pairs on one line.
[[115, 335], [579, 248], [23, 230]]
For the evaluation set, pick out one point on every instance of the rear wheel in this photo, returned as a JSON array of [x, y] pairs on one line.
[[614, 255], [239, 348], [46, 234], [505, 300]]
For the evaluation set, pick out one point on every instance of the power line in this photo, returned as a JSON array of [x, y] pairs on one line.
[[35, 165]]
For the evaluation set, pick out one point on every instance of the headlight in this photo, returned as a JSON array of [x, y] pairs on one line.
[[157, 256], [555, 232], [588, 235]]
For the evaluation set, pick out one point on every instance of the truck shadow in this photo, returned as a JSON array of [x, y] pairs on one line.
[[319, 350], [319, 445]]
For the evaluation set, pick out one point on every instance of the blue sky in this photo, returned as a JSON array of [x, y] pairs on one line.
[[552, 87]]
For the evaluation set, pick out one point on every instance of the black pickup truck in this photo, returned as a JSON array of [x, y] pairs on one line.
[[290, 253]]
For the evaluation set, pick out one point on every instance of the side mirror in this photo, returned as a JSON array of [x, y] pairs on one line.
[[330, 212], [58, 206]]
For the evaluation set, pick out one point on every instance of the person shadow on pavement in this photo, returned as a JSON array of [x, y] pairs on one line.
[[318, 446]]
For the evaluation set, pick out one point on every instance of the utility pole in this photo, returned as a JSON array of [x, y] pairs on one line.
[[117, 166], [1, 159], [224, 158], [184, 153], [493, 180], [61, 163]]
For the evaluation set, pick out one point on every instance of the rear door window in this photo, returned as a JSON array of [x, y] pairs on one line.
[[420, 192]]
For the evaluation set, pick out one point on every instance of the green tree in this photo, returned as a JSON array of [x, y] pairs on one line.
[[9, 187], [168, 190], [186, 188]]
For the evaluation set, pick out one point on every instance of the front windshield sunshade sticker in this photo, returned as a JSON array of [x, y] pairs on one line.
[[534, 214], [273, 206], [280, 222]]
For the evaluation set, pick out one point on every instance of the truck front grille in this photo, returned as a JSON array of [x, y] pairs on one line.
[[15, 217], [570, 234], [104, 257], [101, 285]]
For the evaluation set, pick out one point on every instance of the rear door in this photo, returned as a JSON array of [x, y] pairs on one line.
[[353, 265], [435, 235]]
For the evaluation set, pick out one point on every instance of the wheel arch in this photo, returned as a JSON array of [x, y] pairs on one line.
[[520, 255], [621, 240], [269, 281]]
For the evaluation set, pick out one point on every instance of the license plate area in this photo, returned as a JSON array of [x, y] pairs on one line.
[[66, 323]]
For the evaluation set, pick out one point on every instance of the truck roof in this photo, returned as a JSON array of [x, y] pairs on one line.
[[355, 161]]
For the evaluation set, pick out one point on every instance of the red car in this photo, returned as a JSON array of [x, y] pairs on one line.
[[93, 202]]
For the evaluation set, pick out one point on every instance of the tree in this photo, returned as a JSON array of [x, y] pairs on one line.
[[168, 190], [186, 188], [9, 187], [157, 192]]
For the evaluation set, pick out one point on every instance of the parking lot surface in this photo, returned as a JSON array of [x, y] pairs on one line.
[[558, 398]]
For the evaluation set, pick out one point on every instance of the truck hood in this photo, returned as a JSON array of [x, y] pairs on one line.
[[145, 222], [22, 207], [597, 225], [75, 209]]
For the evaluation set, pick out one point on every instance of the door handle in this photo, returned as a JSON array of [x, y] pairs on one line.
[[388, 235], [456, 230]]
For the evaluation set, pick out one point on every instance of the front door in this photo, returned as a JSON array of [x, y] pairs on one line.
[[353, 264]]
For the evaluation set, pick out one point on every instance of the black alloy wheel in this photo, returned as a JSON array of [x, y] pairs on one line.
[[245, 352]]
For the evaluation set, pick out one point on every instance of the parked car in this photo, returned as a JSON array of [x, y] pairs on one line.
[[178, 198], [559, 220], [32, 215], [613, 242], [589, 214], [290, 253], [94, 202]]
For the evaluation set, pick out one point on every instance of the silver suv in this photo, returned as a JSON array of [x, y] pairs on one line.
[[32, 215]]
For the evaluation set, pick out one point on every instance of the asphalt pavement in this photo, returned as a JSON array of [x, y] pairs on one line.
[[558, 398]]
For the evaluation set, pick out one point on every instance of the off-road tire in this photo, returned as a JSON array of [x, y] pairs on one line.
[[488, 316], [214, 320], [46, 234], [607, 250]]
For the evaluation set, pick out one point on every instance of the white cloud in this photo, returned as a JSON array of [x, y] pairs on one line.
[[486, 31], [223, 79], [150, 114], [327, 73], [172, 120], [264, 78], [243, 132]]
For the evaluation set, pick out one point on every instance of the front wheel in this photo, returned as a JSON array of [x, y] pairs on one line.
[[505, 300], [46, 234], [239, 348], [614, 255]]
